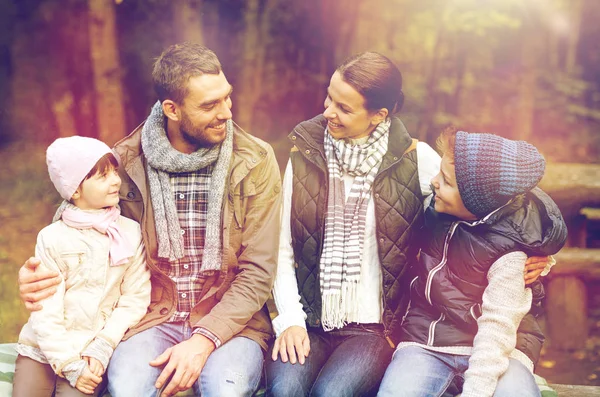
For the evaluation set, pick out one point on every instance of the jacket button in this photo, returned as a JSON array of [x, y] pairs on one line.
[[376, 195], [293, 137], [307, 151], [381, 240], [395, 158], [131, 195], [164, 311]]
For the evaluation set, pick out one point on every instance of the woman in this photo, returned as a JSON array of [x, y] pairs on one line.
[[353, 203], [354, 189]]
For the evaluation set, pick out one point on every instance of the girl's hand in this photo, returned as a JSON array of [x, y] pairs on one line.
[[534, 267], [292, 342], [94, 365], [87, 382]]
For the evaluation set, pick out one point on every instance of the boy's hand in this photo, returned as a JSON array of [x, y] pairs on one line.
[[36, 283], [94, 365], [87, 382], [534, 266]]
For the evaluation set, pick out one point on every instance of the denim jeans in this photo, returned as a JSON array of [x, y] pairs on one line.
[[418, 372], [345, 362], [234, 369]]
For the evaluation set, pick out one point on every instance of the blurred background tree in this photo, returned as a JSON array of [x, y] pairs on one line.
[[524, 69]]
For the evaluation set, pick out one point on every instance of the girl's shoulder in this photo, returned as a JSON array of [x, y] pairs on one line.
[[54, 232], [130, 227]]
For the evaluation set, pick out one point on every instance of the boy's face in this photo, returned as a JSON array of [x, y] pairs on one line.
[[99, 191], [447, 195]]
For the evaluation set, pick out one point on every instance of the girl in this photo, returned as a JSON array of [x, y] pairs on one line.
[[105, 288]]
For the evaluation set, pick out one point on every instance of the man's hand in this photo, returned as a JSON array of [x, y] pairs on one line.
[[87, 382], [36, 283], [186, 360], [292, 342], [94, 365], [534, 267]]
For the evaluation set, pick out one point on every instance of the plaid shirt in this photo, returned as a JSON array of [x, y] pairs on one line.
[[190, 190]]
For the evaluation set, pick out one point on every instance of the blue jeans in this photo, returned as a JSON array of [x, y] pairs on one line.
[[346, 362], [234, 369], [418, 372]]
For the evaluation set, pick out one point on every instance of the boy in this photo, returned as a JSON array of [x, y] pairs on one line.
[[469, 296]]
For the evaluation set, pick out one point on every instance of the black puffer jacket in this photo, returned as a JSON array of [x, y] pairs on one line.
[[398, 212], [455, 259]]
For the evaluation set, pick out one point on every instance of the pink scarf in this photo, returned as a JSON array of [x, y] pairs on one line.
[[105, 223]]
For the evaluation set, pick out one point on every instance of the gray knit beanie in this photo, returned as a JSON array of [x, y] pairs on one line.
[[491, 170]]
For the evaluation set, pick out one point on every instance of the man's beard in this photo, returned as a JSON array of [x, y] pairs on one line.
[[194, 136]]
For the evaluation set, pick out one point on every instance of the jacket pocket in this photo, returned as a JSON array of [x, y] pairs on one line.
[[475, 311], [74, 265]]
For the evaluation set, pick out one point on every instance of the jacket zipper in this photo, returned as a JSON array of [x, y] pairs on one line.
[[433, 271], [436, 269], [409, 299], [386, 331], [431, 337]]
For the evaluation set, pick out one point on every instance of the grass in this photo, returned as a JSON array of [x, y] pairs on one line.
[[28, 201]]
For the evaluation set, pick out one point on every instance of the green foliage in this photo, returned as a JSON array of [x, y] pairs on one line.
[[29, 200]]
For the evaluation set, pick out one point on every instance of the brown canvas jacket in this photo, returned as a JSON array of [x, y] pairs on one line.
[[233, 301]]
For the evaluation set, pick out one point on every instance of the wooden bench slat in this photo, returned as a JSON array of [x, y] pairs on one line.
[[576, 391], [577, 261]]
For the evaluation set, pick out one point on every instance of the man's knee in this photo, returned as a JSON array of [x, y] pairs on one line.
[[234, 369], [230, 383]]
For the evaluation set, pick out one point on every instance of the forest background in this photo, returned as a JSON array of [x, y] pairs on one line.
[[524, 69]]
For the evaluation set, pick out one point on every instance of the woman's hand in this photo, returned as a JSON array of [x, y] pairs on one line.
[[293, 342]]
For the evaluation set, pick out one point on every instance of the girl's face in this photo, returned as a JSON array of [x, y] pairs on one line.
[[345, 111], [99, 191], [447, 195]]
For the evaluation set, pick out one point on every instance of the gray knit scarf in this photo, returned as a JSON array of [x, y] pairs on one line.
[[163, 160], [345, 222]]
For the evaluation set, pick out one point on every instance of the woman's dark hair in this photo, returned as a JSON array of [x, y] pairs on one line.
[[376, 78]]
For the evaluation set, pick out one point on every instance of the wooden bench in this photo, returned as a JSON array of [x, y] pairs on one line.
[[576, 190], [566, 298], [576, 391]]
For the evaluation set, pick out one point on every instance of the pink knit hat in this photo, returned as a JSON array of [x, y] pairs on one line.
[[70, 160]]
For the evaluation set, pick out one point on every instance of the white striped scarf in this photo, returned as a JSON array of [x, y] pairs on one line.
[[345, 222]]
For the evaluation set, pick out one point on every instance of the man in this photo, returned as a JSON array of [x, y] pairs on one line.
[[207, 196]]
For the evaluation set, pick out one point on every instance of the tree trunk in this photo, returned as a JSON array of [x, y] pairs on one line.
[[187, 20], [250, 85], [576, 8], [528, 82], [106, 71]]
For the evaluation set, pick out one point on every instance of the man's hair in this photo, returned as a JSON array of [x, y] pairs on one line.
[[106, 162], [446, 142], [177, 64]]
